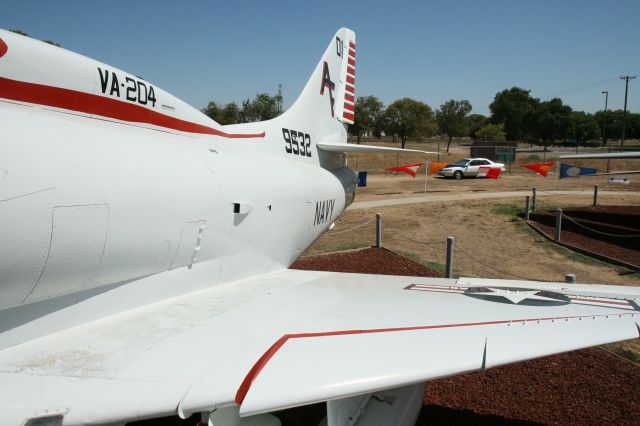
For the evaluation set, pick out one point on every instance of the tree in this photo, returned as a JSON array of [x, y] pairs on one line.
[[262, 107], [230, 114], [633, 126], [550, 120], [491, 132], [213, 111], [614, 124], [475, 122], [451, 118], [368, 113], [27, 35], [409, 118], [511, 107], [584, 127]]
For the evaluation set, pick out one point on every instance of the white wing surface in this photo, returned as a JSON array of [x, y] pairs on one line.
[[296, 337]]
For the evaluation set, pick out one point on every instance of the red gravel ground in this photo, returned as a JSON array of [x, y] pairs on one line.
[[590, 386], [610, 222], [368, 261]]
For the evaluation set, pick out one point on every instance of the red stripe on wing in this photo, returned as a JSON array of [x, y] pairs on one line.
[[266, 357]]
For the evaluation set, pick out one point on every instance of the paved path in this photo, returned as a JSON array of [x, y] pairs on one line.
[[432, 198]]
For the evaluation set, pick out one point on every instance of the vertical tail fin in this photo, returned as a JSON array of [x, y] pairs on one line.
[[330, 92]]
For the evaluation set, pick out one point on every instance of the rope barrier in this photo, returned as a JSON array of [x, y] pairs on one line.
[[350, 229], [599, 232]]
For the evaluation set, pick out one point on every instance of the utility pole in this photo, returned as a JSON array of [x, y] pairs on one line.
[[626, 78], [279, 98], [604, 125]]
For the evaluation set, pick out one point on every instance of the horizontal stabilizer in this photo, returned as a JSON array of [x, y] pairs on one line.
[[606, 155], [628, 172], [341, 147]]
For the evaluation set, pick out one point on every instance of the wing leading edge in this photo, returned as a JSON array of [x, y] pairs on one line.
[[296, 337]]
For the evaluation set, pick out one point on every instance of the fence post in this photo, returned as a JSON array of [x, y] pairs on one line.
[[595, 195], [534, 200], [449, 270], [378, 230], [570, 278], [558, 224], [527, 205]]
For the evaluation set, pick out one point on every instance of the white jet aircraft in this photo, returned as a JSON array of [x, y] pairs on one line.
[[144, 252]]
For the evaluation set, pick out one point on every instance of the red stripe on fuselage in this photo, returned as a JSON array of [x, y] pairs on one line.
[[87, 103]]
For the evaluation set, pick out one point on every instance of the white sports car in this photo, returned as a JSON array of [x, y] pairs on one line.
[[468, 167]]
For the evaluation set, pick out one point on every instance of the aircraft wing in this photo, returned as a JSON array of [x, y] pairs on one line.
[[296, 337]]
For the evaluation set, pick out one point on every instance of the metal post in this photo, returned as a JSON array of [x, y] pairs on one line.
[[527, 207], [570, 278], [449, 272], [378, 230], [558, 224], [533, 200], [426, 175], [595, 195]]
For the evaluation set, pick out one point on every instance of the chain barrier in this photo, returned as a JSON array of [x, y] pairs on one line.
[[406, 237], [486, 265], [457, 247], [599, 232], [350, 229]]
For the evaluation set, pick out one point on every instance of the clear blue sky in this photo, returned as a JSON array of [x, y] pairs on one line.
[[428, 50]]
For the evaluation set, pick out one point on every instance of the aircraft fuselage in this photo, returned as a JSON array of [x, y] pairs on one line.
[[89, 203]]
